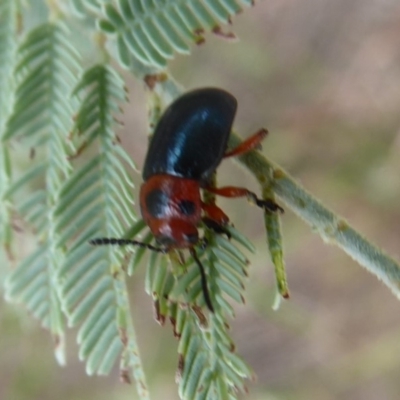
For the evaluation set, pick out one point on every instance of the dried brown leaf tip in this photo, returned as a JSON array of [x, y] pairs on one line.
[[200, 315], [199, 36], [124, 376], [158, 316], [152, 79], [123, 335], [225, 35], [173, 323], [179, 370]]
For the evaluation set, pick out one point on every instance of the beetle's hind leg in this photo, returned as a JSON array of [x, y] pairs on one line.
[[215, 219], [251, 143], [213, 212], [233, 192], [216, 227]]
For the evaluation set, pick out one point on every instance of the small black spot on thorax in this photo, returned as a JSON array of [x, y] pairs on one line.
[[187, 207]]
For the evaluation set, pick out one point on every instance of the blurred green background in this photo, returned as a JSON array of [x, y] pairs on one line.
[[324, 77]]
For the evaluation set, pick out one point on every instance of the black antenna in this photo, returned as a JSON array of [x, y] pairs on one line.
[[206, 293], [125, 242]]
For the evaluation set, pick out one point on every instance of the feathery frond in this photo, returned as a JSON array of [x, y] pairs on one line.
[[152, 31], [97, 201], [8, 46], [42, 117], [82, 7], [89, 11], [208, 366]]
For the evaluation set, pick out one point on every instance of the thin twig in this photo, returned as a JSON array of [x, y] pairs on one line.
[[330, 226]]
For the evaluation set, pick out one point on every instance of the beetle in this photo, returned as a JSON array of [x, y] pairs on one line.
[[189, 142]]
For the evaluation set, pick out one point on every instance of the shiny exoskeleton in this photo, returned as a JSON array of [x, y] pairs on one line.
[[188, 144]]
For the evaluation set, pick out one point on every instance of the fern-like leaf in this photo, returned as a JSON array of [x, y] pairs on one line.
[[152, 31], [42, 117], [95, 202], [8, 46], [208, 366], [81, 8]]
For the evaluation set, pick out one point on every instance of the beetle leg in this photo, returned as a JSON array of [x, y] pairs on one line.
[[233, 191], [214, 213], [215, 219], [216, 227], [253, 142]]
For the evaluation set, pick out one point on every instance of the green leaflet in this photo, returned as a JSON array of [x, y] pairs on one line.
[[209, 368], [46, 66], [8, 46], [151, 31], [97, 202]]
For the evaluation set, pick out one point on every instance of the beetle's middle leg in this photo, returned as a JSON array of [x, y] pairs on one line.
[[233, 192]]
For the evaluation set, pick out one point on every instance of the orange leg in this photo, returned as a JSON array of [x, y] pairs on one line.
[[214, 213], [215, 219], [233, 192], [250, 143]]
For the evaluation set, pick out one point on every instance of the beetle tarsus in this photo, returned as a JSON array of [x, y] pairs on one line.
[[266, 204]]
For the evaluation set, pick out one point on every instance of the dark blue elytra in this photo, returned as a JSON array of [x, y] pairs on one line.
[[191, 137]]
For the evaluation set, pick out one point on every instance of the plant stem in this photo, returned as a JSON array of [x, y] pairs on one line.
[[331, 227]]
